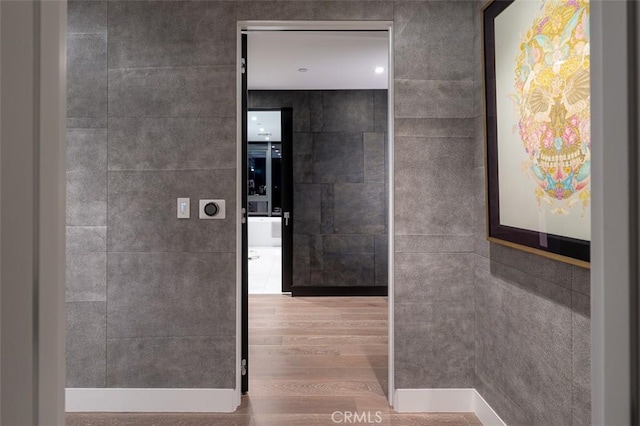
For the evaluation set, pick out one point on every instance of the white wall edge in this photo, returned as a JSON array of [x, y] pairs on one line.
[[390, 219], [446, 401], [150, 400]]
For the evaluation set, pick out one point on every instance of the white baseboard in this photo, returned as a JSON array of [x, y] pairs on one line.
[[151, 400], [446, 401]]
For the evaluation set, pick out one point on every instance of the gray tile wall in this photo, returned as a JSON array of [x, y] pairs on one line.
[[340, 184], [532, 326], [434, 146], [511, 325], [151, 107]]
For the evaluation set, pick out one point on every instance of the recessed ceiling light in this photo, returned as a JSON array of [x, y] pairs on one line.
[[266, 138], [379, 70], [262, 129], [302, 70], [254, 118]]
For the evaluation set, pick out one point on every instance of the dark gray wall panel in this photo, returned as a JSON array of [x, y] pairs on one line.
[[424, 46], [173, 92], [441, 336], [86, 344], [434, 99], [435, 127], [358, 10], [581, 358], [86, 17], [374, 157], [171, 362], [142, 211], [359, 208], [434, 277], [171, 33], [86, 239], [87, 75], [433, 186], [86, 277], [171, 143], [347, 111], [86, 177], [171, 294], [523, 346], [338, 157], [340, 176]]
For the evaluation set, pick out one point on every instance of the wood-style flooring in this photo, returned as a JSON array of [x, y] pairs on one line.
[[309, 358]]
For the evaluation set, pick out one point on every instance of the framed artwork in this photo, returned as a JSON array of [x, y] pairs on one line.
[[538, 122]]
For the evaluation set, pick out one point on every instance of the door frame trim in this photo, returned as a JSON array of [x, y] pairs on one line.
[[310, 26]]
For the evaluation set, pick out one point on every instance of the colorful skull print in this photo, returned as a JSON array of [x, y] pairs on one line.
[[552, 102]]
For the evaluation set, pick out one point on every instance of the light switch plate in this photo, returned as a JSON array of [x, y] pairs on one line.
[[220, 214], [184, 208]]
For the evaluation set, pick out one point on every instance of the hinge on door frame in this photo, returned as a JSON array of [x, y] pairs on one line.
[[243, 219], [244, 64], [243, 367]]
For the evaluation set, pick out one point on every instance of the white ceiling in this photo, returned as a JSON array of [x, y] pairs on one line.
[[334, 60]]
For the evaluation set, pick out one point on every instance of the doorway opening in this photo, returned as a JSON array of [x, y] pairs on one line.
[[342, 158], [269, 200]]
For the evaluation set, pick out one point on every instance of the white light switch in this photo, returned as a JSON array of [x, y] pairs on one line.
[[183, 208]]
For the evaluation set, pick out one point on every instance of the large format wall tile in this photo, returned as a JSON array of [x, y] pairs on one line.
[[374, 157], [359, 208], [435, 127], [87, 150], [343, 244], [171, 33], [380, 111], [326, 209], [349, 269], [142, 211], [434, 99], [371, 10], [86, 344], [433, 277], [173, 362], [339, 137], [533, 265], [171, 294], [86, 277], [382, 260], [86, 177], [173, 92], [171, 143], [86, 239], [435, 348], [434, 244], [301, 260], [433, 184], [348, 111], [303, 158], [306, 208], [523, 344], [338, 157], [424, 47], [581, 358], [581, 280], [86, 17], [87, 75]]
